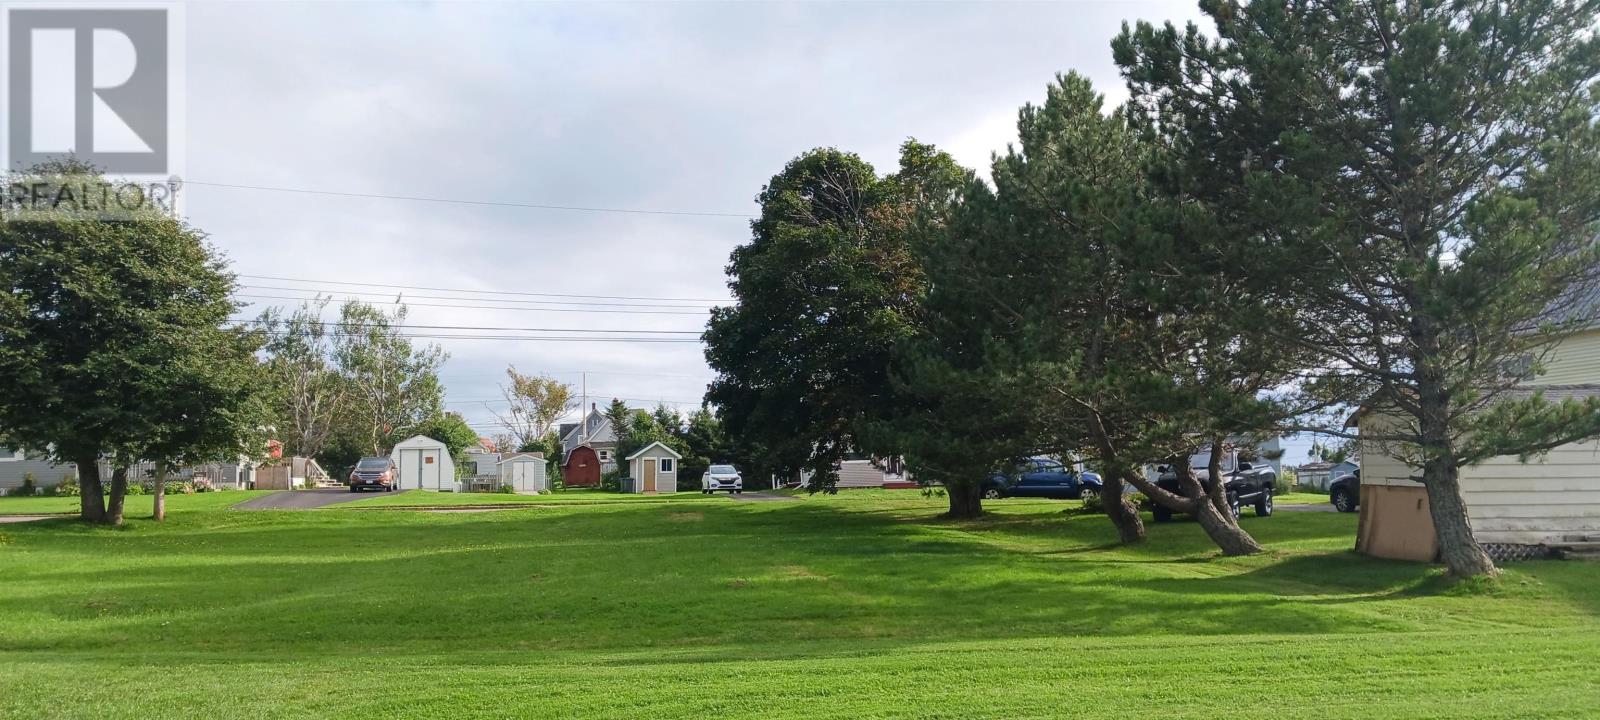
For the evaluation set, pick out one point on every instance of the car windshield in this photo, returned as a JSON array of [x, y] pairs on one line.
[[723, 470], [373, 463]]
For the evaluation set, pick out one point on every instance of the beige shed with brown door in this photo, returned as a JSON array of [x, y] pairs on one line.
[[654, 469]]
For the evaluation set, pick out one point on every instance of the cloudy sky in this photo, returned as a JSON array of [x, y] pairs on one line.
[[684, 108]]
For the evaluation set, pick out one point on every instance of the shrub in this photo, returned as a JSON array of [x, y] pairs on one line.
[[1284, 483], [203, 485], [611, 480], [1090, 504], [507, 490], [180, 487], [137, 489], [29, 486], [69, 487]]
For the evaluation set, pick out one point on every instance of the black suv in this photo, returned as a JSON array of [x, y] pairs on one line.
[[1245, 484], [1345, 492]]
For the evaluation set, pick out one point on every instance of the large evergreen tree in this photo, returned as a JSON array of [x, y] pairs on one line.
[[1418, 181]]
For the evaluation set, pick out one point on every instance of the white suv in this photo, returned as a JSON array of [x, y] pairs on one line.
[[721, 478]]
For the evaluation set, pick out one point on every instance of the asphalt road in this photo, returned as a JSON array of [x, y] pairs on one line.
[[300, 499]]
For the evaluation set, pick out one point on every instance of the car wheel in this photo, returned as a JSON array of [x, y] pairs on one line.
[[1342, 500], [1264, 504], [354, 488], [1090, 496], [1233, 505], [991, 494], [1161, 514]]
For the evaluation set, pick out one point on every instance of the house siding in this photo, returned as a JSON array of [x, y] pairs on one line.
[[1547, 500], [45, 473], [1575, 361]]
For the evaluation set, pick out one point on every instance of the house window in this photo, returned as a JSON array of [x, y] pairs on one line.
[[7, 454], [666, 465], [605, 456]]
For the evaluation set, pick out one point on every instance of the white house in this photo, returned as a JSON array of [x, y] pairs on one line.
[[654, 469], [524, 472], [1515, 508], [424, 464]]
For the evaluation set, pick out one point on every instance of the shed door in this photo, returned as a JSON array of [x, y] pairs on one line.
[[411, 469], [648, 482]]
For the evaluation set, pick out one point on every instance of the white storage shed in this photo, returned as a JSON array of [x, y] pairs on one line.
[[654, 469], [525, 473], [424, 464]]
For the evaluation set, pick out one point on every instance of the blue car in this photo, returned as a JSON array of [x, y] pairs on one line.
[[1044, 478]]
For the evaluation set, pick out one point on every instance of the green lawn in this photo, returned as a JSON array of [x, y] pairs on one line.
[[135, 505], [859, 605], [414, 498]]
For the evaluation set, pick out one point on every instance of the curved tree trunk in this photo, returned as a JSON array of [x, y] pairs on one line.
[[1219, 525], [1124, 515], [1460, 550], [966, 501], [119, 493], [1218, 492], [91, 500]]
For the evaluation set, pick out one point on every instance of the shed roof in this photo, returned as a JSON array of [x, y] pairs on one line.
[[659, 444], [522, 457]]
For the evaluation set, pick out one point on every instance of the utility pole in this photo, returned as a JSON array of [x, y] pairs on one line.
[[583, 417]]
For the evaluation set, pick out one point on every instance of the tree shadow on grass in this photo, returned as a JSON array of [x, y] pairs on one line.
[[640, 577]]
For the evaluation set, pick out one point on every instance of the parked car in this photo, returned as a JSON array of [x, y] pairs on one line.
[[721, 478], [1042, 477], [1245, 484], [378, 473], [1345, 492]]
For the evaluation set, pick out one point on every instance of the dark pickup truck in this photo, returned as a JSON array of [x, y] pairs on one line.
[[1246, 484]]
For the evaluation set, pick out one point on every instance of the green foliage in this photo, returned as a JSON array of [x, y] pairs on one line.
[[1284, 484], [534, 403], [113, 337], [68, 487], [1416, 180], [823, 288], [137, 488], [507, 490], [28, 486], [393, 386]]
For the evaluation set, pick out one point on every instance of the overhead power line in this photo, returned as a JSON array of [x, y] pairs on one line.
[[402, 297], [393, 286], [483, 203], [409, 326], [539, 338], [493, 307]]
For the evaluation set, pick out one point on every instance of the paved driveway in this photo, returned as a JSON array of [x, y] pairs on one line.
[[300, 499]]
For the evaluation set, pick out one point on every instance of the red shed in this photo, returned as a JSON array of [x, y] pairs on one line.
[[582, 468]]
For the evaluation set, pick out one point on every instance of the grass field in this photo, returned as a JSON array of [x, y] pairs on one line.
[[860, 605]]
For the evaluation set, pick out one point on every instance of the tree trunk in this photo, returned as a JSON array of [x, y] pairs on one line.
[[1218, 492], [119, 493], [1461, 552], [966, 501], [1223, 531], [160, 499], [91, 501], [1124, 515], [1219, 525]]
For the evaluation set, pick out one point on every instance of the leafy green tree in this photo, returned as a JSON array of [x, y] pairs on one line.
[[97, 319], [534, 403], [211, 406], [394, 386], [823, 289], [308, 395], [1418, 181]]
